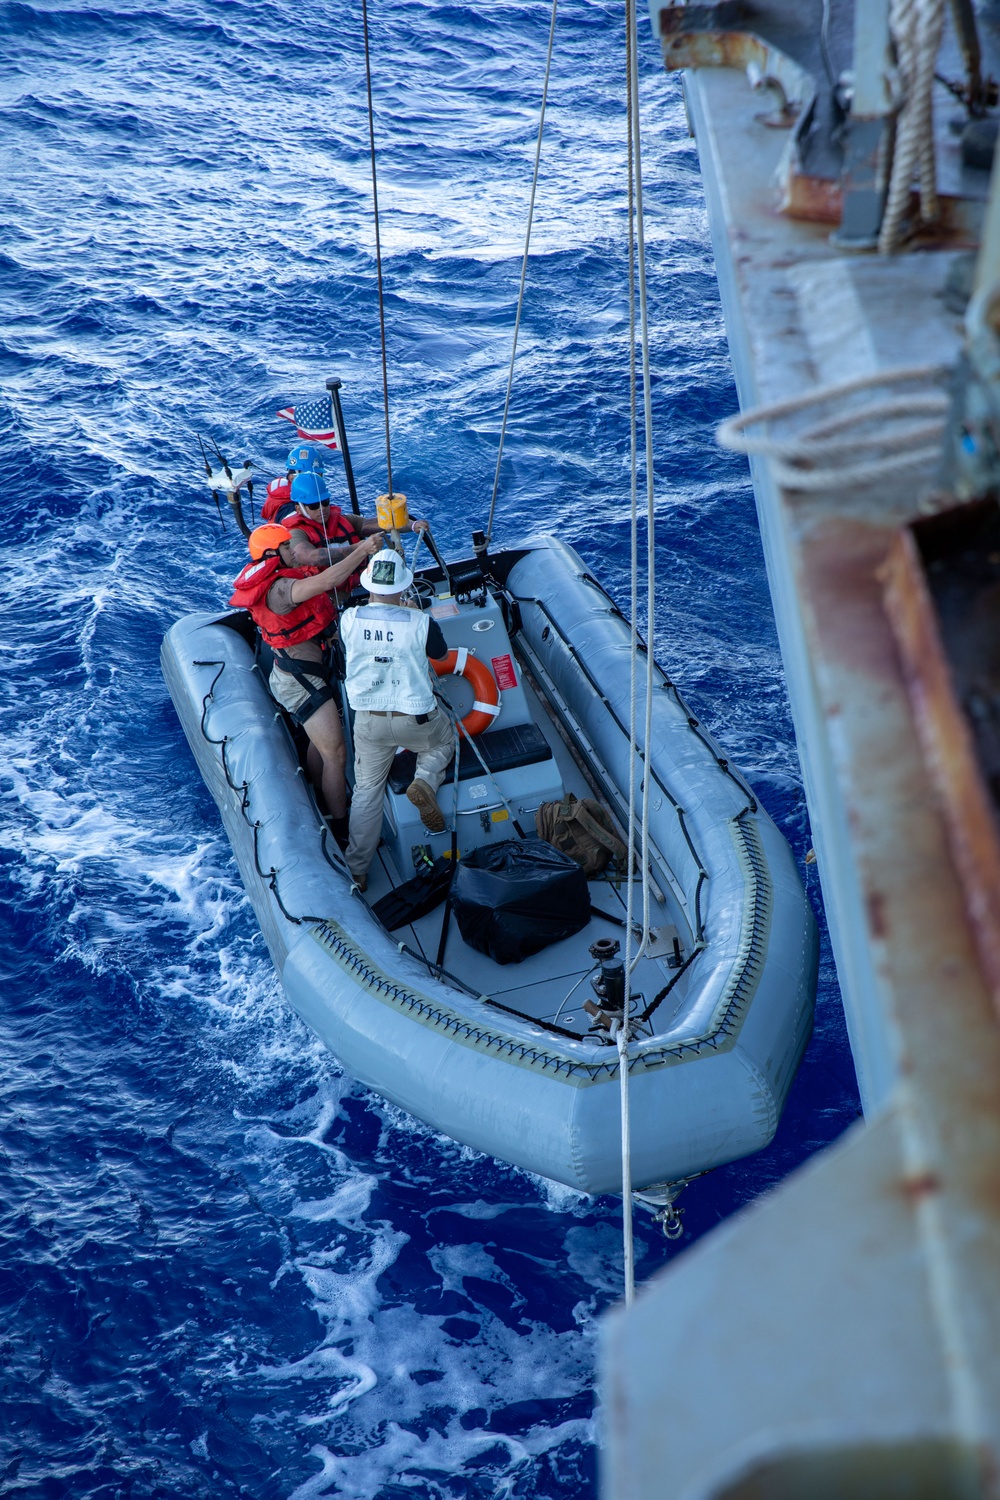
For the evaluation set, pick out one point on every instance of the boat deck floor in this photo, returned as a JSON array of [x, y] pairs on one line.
[[550, 986]]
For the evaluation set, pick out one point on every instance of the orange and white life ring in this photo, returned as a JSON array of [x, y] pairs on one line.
[[462, 663]]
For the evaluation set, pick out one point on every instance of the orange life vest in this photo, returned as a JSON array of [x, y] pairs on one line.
[[302, 623], [338, 532]]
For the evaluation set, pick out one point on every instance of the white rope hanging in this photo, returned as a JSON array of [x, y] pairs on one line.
[[856, 445], [916, 32], [636, 253]]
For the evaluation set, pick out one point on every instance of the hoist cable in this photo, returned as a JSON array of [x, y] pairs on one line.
[[628, 1254], [524, 271], [633, 496], [647, 393], [636, 255], [629, 1251], [378, 243]]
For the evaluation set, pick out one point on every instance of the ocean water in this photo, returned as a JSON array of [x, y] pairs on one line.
[[225, 1268]]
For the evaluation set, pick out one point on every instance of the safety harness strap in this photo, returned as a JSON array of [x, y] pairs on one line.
[[302, 671]]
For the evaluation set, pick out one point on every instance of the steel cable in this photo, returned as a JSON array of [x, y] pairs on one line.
[[636, 258], [378, 244]]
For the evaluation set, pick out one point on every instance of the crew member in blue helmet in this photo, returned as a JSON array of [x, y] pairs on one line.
[[319, 527], [304, 458]]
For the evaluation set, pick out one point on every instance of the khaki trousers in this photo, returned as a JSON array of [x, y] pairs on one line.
[[376, 740]]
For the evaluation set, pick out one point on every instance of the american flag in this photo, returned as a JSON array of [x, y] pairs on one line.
[[313, 420]]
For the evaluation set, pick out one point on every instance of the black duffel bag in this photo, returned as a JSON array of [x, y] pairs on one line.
[[514, 898], [414, 899]]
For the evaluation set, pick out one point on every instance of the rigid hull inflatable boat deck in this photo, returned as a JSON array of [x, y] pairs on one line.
[[504, 1058]]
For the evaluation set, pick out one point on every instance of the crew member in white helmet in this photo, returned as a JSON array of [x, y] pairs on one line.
[[387, 645]]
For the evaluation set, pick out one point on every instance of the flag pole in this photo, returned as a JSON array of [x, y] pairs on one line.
[[333, 386]]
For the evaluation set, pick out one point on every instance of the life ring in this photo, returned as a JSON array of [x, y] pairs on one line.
[[462, 663]]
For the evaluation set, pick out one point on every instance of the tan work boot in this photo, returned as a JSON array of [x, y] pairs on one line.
[[424, 800]]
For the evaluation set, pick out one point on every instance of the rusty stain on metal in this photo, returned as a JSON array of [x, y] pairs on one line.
[[948, 742], [841, 561], [711, 15], [816, 200], [711, 49], [846, 554], [819, 200], [920, 1186], [877, 922]]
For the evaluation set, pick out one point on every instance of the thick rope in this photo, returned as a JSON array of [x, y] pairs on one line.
[[916, 32], [524, 272], [636, 254], [896, 445], [634, 504], [378, 244], [627, 1245]]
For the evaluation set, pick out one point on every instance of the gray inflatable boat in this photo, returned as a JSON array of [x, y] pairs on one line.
[[505, 1057]]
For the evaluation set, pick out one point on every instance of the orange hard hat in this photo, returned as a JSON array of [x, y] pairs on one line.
[[267, 539]]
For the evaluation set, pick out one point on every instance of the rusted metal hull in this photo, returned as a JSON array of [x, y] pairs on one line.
[[952, 672]]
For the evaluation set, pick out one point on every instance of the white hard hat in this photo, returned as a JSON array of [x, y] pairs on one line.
[[387, 573]]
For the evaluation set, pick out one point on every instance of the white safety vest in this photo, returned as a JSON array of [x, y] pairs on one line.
[[386, 648]]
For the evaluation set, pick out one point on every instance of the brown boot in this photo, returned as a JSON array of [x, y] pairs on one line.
[[424, 800]]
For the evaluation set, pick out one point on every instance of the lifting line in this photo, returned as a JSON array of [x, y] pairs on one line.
[[636, 252], [378, 243], [524, 272]]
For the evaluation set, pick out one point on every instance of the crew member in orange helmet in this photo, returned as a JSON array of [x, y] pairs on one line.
[[295, 610]]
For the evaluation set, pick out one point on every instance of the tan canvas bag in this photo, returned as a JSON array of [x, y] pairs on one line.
[[581, 828]]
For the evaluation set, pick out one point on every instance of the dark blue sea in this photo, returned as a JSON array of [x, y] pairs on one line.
[[226, 1268]]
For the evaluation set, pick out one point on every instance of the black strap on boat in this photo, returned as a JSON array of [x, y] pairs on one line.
[[607, 916], [523, 1015], [657, 999], [271, 876], [206, 700], [243, 792]]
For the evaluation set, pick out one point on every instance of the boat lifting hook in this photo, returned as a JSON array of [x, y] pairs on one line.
[[669, 1220]]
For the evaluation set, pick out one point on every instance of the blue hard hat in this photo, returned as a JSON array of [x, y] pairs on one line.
[[305, 459], [309, 489]]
